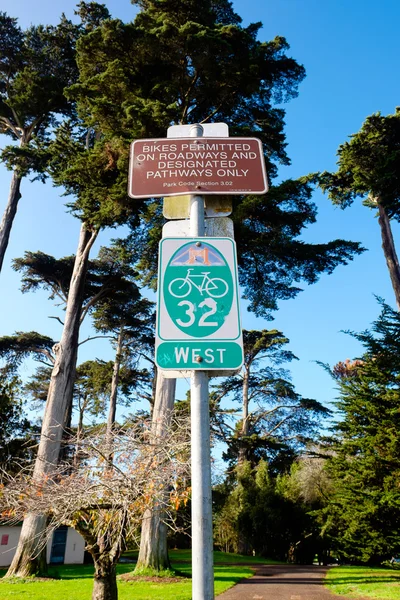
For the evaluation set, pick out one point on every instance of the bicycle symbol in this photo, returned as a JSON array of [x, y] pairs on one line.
[[182, 286]]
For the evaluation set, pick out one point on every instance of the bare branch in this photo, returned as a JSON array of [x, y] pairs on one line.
[[57, 319], [95, 337]]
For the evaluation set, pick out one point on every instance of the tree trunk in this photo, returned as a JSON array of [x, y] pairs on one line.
[[9, 213], [114, 383], [79, 432], [112, 409], [153, 390], [105, 579], [153, 551], [245, 415], [59, 399], [30, 556], [389, 251]]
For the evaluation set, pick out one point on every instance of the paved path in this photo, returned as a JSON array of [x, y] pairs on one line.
[[282, 582]]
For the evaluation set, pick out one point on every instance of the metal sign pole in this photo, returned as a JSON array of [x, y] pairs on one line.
[[202, 535], [191, 298]]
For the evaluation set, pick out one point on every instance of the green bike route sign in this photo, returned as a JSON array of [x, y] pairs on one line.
[[198, 322]]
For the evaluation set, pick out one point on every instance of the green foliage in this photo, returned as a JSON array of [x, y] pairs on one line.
[[42, 270], [109, 282], [93, 385], [37, 386], [38, 66], [128, 320], [92, 169], [369, 164], [199, 65], [16, 348], [92, 14], [125, 308], [279, 421], [363, 514], [178, 64], [35, 67], [259, 507], [138, 78], [16, 443], [271, 255], [257, 517], [118, 310]]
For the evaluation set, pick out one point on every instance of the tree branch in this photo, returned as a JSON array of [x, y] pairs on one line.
[[95, 337], [57, 319], [9, 125]]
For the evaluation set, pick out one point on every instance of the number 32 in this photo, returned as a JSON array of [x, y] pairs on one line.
[[212, 305]]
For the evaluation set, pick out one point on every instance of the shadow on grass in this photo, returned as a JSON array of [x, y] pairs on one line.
[[67, 572], [183, 574], [361, 580]]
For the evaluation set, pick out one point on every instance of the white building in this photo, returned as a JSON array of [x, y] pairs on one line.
[[65, 547]]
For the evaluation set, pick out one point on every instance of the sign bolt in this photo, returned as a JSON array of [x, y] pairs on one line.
[[198, 243], [199, 359]]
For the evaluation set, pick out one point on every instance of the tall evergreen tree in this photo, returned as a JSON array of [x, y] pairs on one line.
[[80, 294], [362, 515], [203, 65], [35, 67], [368, 168]]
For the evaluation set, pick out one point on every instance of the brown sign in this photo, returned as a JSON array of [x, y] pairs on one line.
[[173, 167]]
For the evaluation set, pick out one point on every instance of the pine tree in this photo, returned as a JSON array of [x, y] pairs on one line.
[[362, 515]]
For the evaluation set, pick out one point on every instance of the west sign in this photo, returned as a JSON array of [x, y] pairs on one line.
[[198, 324], [177, 166]]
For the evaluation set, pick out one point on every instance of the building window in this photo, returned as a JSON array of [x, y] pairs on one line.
[[4, 540]]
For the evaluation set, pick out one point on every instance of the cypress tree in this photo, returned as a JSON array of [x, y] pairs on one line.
[[368, 168]]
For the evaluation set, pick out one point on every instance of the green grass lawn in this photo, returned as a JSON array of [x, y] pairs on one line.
[[369, 582], [177, 556], [75, 581]]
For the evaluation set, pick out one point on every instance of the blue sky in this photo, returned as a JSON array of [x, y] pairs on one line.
[[349, 50]]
